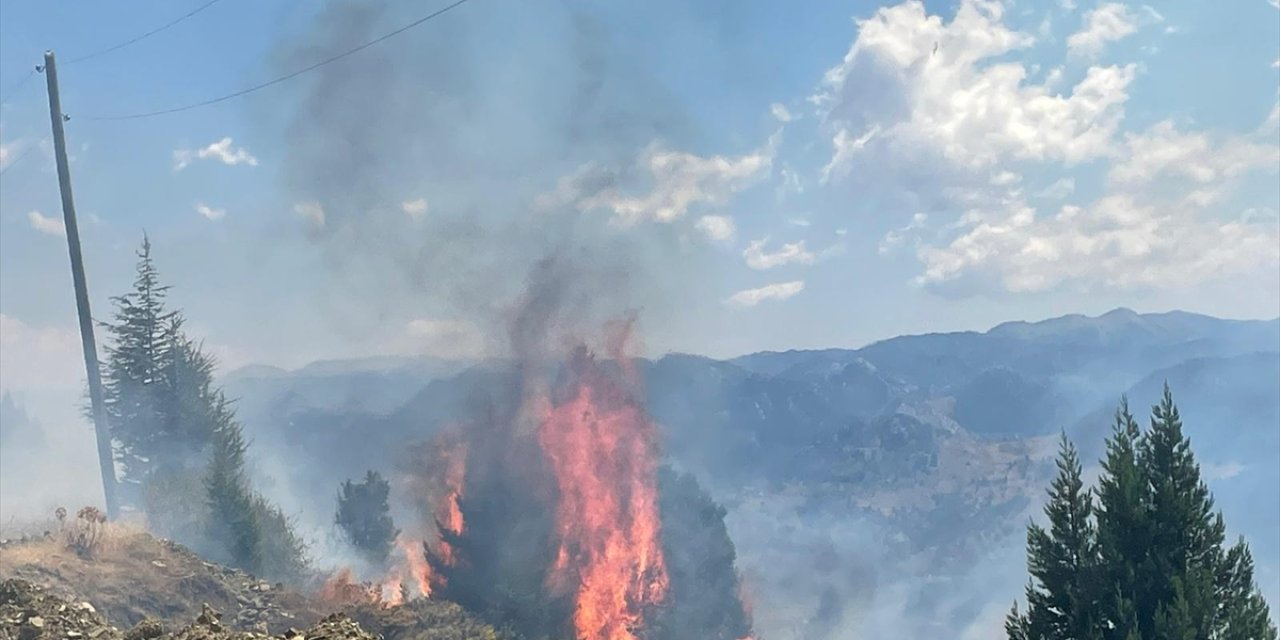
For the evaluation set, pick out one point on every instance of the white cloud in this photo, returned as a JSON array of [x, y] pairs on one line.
[[220, 151], [966, 101], [781, 113], [39, 357], [1163, 151], [717, 228], [1211, 471], [1005, 178], [1110, 22], [1061, 188], [8, 152], [760, 259], [777, 291], [46, 224], [846, 146], [209, 212], [312, 212], [803, 223], [415, 209], [893, 239], [1119, 242], [677, 181]]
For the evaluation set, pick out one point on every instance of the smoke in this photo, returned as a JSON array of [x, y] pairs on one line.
[[479, 117]]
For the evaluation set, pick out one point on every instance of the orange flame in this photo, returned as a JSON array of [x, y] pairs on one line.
[[450, 509], [600, 446], [415, 565]]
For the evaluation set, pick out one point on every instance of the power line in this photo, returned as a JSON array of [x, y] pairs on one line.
[[143, 36], [17, 159], [8, 93], [289, 76]]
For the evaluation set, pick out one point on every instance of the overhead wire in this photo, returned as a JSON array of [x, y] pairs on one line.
[[288, 76], [17, 159], [9, 93], [144, 36]]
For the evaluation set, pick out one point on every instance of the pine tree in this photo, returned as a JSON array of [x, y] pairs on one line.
[[1016, 625], [1124, 533], [1063, 559], [364, 515], [232, 517], [1186, 535], [133, 377], [1160, 569]]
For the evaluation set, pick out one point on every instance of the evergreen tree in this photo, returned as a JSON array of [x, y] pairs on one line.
[[175, 434], [1124, 532], [1186, 535], [1063, 559], [133, 376], [232, 517], [1160, 571], [364, 515]]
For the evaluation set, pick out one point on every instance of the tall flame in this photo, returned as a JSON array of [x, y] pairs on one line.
[[415, 566], [449, 512], [601, 449]]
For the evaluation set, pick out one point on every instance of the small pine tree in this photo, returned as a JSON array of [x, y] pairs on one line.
[[1063, 559], [1124, 531], [1160, 571], [233, 519], [364, 516]]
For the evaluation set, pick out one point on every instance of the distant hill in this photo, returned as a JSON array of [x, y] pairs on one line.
[[934, 449]]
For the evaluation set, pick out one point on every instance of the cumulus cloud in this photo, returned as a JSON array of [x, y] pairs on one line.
[[415, 208], [944, 115], [1110, 22], [1159, 223], [677, 181], [781, 113], [1120, 242], [1163, 151], [777, 291], [894, 238], [209, 212], [1005, 178], [220, 151], [312, 212], [924, 85], [717, 228], [759, 258], [1061, 188], [846, 145], [45, 224]]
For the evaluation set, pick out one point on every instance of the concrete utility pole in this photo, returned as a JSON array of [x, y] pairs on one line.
[[105, 458]]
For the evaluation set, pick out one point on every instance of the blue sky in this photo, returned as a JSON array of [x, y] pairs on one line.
[[779, 175]]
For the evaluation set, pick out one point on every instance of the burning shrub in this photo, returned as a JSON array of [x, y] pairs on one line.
[[561, 525]]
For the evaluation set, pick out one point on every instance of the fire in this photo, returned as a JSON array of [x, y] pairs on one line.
[[342, 589], [450, 509], [415, 566], [601, 449]]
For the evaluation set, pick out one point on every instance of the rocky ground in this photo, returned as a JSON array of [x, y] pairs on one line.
[[137, 587], [30, 612]]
